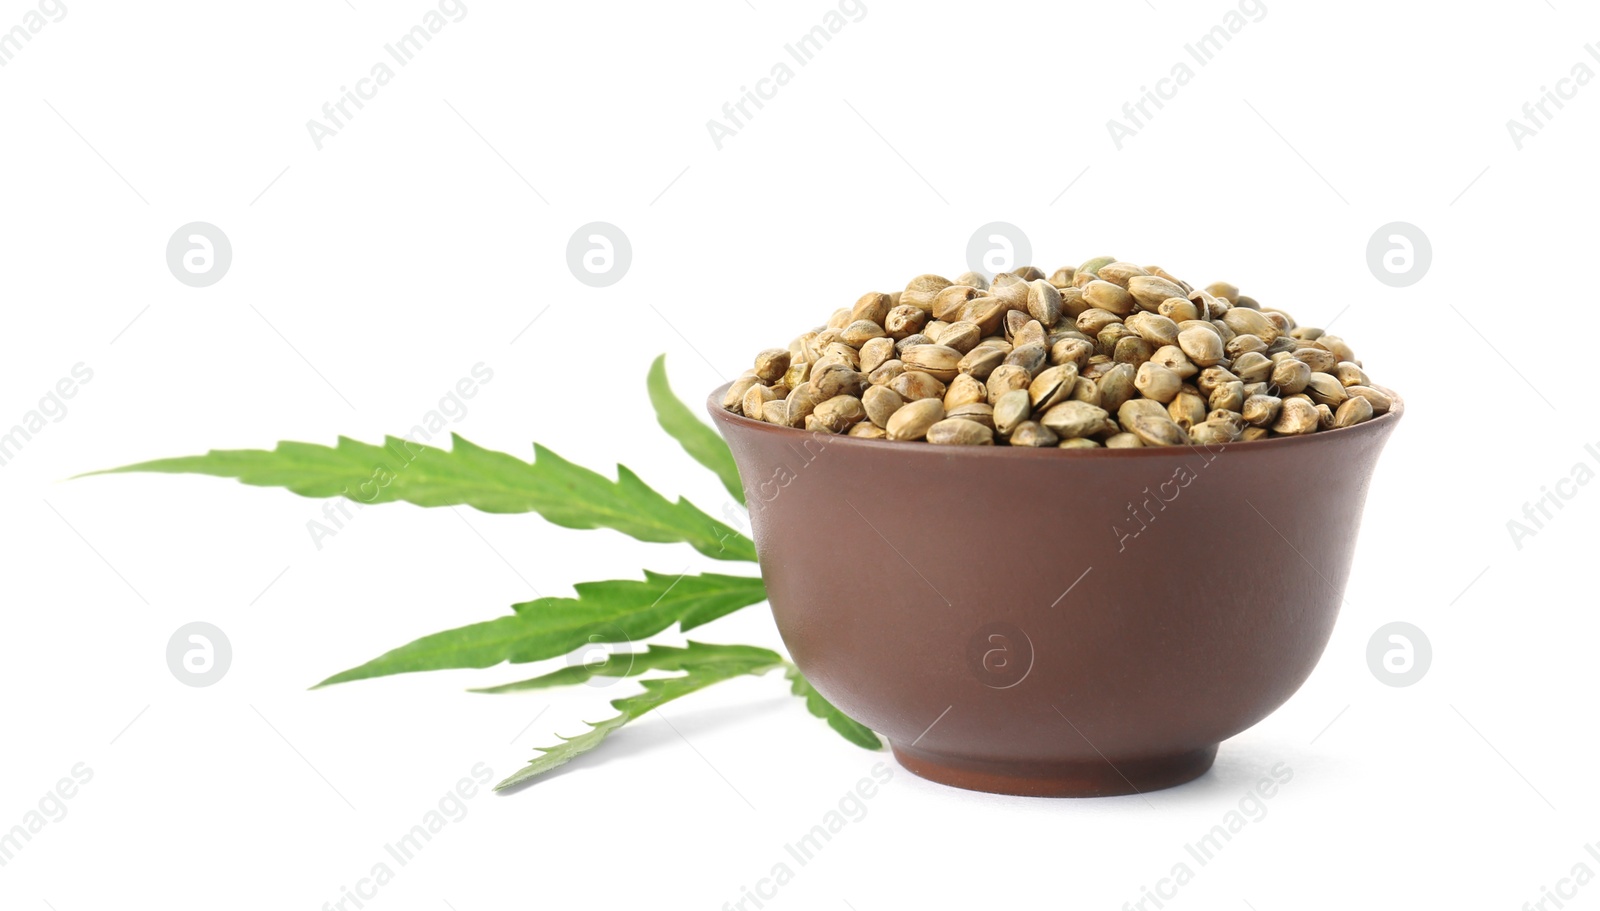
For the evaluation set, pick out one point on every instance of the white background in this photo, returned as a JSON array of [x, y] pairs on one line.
[[425, 236]]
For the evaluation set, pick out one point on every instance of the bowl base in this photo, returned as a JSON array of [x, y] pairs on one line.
[[1094, 778]]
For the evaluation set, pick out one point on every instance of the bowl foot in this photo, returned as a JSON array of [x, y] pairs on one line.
[[1093, 778]]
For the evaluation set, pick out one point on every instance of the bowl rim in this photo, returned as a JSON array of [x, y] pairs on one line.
[[1377, 425]]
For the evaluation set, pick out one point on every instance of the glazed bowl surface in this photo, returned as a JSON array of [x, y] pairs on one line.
[[1055, 622]]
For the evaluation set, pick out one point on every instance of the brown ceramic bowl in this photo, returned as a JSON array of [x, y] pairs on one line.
[[1048, 622]]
